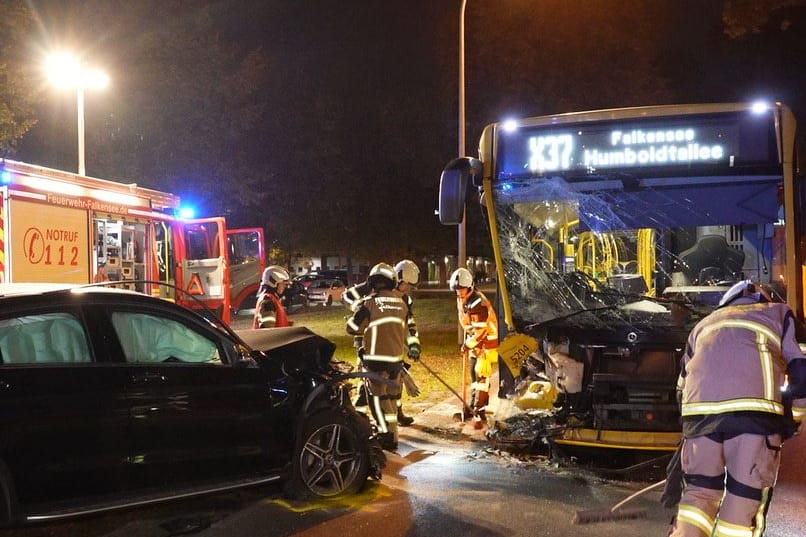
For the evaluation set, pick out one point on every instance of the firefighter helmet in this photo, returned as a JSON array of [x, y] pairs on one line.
[[743, 288], [382, 276], [461, 277], [407, 271], [273, 275]]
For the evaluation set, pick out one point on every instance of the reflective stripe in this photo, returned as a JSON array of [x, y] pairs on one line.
[[733, 405], [390, 418], [749, 325], [351, 323], [387, 320], [766, 366], [696, 517], [381, 358], [760, 519], [479, 325], [727, 529], [412, 340], [475, 303], [798, 413], [378, 411]]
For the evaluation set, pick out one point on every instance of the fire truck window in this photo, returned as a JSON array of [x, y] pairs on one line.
[[198, 246]]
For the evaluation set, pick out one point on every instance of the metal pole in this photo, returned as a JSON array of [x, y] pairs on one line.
[[462, 253], [81, 168]]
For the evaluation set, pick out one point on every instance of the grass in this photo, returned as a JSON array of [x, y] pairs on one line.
[[438, 327]]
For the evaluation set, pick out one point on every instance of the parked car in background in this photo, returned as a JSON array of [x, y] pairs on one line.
[[326, 292], [111, 399]]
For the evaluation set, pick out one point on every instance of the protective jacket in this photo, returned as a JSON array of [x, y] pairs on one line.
[[479, 321], [735, 364], [381, 317], [352, 295], [269, 312]]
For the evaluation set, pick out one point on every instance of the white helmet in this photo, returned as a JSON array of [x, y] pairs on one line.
[[461, 277], [382, 276], [407, 271], [737, 290], [273, 275]]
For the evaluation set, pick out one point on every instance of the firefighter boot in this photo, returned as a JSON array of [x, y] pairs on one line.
[[387, 441], [403, 419]]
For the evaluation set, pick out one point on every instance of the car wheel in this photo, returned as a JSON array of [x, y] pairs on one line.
[[332, 458], [329, 301]]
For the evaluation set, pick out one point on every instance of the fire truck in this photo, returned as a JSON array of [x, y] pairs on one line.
[[61, 227], [616, 231]]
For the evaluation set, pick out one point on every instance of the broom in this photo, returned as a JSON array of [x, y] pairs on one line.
[[614, 513]]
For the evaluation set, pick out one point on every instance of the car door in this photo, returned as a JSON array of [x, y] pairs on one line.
[[195, 414], [64, 419]]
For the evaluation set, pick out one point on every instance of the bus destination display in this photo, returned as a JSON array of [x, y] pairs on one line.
[[715, 143]]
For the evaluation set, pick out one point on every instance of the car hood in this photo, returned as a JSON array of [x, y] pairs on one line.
[[281, 341]]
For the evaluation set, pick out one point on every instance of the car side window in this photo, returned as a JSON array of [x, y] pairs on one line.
[[48, 338], [149, 338]]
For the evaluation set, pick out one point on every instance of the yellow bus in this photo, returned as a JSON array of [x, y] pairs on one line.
[[615, 231]]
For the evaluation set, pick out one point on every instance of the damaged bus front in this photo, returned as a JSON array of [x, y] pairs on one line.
[[614, 232]]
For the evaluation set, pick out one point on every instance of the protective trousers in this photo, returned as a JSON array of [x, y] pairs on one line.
[[733, 503], [382, 401], [481, 364]]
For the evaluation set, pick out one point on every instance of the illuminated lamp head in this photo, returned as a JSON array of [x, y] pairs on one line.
[[509, 125], [6, 177], [759, 107]]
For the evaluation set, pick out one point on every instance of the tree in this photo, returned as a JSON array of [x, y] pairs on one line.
[[18, 89]]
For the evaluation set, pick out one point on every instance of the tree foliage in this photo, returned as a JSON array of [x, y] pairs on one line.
[[18, 88], [328, 123]]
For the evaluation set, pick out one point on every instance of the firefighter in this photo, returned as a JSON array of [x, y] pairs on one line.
[[381, 317], [735, 416], [480, 325], [408, 276], [269, 311]]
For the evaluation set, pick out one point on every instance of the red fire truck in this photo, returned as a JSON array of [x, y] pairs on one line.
[[57, 226]]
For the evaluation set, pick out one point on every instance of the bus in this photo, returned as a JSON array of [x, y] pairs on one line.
[[614, 232]]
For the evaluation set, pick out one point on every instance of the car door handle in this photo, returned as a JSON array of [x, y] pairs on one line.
[[145, 378]]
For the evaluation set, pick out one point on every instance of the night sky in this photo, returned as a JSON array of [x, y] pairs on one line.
[[328, 122]]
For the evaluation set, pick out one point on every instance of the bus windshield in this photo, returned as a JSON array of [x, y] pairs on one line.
[[637, 223]]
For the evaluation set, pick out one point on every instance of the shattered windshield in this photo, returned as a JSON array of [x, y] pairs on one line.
[[619, 249]]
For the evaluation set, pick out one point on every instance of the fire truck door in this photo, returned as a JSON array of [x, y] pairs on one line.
[[247, 260], [203, 264]]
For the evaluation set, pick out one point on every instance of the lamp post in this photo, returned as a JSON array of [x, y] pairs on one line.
[[462, 249], [66, 71]]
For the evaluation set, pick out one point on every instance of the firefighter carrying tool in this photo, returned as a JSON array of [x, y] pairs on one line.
[[480, 324]]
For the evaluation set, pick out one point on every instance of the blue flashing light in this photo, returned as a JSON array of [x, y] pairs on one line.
[[6, 177], [187, 212]]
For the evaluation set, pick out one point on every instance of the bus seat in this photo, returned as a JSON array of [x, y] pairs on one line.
[[714, 252]]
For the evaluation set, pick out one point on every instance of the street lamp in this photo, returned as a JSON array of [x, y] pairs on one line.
[[67, 71]]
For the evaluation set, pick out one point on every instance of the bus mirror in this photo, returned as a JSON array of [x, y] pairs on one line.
[[453, 188]]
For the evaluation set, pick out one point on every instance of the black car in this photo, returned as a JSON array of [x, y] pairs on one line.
[[110, 399]]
